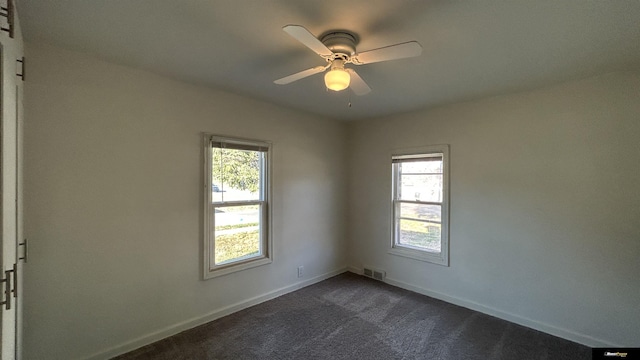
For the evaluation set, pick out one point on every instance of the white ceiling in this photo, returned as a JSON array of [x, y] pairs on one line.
[[472, 49]]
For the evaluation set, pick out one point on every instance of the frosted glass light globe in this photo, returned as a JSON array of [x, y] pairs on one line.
[[337, 79]]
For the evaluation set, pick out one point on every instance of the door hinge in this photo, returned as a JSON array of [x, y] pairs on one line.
[[22, 68], [25, 254], [8, 13], [8, 291]]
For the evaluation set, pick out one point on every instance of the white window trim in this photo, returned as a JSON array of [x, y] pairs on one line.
[[210, 270], [414, 253]]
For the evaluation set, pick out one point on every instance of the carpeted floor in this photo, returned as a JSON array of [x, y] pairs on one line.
[[353, 317]]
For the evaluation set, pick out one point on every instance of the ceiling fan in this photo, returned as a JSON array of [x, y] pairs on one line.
[[338, 48]]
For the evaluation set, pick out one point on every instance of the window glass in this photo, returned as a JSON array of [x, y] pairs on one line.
[[421, 235], [236, 175], [425, 212], [237, 233], [421, 187]]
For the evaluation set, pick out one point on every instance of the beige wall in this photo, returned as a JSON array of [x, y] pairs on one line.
[[545, 206], [113, 202]]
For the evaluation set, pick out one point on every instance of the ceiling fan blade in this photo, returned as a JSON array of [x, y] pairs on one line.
[[358, 85], [392, 52], [300, 75], [306, 38]]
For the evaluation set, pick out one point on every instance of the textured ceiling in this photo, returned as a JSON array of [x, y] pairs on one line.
[[472, 49]]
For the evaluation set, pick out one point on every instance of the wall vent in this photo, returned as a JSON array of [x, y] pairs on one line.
[[374, 273], [378, 275]]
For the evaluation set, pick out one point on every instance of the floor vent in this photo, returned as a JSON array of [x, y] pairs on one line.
[[374, 274]]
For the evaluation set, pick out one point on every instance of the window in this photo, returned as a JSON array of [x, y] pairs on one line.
[[421, 205], [237, 234]]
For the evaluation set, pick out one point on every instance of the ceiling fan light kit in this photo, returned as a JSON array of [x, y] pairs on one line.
[[338, 48], [337, 78]]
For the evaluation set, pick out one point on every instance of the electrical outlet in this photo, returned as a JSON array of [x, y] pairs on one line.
[[300, 271]]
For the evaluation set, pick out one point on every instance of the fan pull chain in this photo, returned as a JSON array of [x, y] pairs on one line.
[[349, 100]]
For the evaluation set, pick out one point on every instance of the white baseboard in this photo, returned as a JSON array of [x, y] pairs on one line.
[[533, 324], [216, 314], [354, 270]]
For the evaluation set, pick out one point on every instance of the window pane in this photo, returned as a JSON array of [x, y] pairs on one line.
[[433, 166], [235, 175], [237, 233], [425, 236], [421, 212], [420, 187]]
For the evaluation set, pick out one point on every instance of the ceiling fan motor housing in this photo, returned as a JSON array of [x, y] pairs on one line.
[[340, 42]]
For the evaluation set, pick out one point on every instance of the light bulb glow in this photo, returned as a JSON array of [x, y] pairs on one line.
[[337, 79]]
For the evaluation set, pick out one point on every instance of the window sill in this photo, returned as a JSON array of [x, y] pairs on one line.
[[228, 269], [438, 259]]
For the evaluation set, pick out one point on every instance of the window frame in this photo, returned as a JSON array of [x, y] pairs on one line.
[[210, 269], [395, 248]]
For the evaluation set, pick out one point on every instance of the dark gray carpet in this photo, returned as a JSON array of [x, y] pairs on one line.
[[353, 317]]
